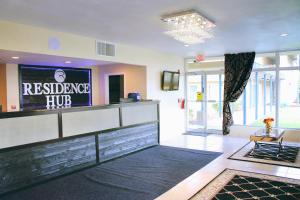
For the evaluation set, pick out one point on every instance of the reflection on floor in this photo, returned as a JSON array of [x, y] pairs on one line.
[[228, 145]]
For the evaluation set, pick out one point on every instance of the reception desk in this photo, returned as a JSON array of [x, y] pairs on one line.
[[38, 145]]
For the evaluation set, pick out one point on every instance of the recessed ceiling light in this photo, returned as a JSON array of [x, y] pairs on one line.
[[284, 34], [68, 62], [186, 45], [15, 57]]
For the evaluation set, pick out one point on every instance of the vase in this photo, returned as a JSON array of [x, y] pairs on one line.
[[268, 129]]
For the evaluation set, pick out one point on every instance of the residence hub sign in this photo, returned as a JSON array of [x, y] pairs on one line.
[[43, 87]]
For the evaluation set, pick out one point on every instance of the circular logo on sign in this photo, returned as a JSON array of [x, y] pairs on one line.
[[60, 75]]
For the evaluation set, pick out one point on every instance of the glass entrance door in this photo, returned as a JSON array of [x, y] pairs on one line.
[[214, 92], [204, 102], [195, 104]]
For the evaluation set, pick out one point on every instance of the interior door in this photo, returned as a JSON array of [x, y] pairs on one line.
[[116, 88]]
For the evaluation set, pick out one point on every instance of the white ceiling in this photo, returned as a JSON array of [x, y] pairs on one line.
[[242, 25], [47, 60]]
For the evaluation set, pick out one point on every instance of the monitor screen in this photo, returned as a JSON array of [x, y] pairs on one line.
[[170, 81], [175, 81], [167, 80]]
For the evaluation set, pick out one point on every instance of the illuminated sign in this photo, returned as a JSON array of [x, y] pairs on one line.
[[43, 87]]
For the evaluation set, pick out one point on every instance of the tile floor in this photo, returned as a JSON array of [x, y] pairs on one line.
[[228, 145]]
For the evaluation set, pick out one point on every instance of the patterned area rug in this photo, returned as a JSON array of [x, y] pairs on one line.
[[268, 153], [237, 185]]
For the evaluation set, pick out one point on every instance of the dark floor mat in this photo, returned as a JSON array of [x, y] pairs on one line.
[[243, 187], [142, 175], [270, 152]]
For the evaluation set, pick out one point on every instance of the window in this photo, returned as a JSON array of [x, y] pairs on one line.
[[273, 90], [265, 61], [289, 104], [262, 93], [237, 111], [260, 97], [290, 59]]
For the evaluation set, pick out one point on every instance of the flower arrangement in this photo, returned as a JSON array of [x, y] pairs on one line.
[[268, 123]]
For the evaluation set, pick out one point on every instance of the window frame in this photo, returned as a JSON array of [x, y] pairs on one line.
[[277, 69]]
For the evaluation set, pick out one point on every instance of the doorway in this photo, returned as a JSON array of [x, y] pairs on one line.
[[204, 101], [115, 88]]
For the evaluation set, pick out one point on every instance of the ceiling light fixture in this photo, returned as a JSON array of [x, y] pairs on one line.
[[68, 62], [189, 27], [284, 34], [15, 57]]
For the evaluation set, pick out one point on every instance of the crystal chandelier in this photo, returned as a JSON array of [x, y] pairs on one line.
[[189, 27]]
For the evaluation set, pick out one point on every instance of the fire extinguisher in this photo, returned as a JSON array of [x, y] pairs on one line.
[[181, 103]]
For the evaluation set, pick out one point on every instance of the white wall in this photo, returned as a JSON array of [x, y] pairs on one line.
[[135, 79], [18, 37], [172, 117], [95, 86], [12, 83]]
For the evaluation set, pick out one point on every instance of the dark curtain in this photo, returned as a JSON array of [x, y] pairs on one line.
[[238, 69]]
